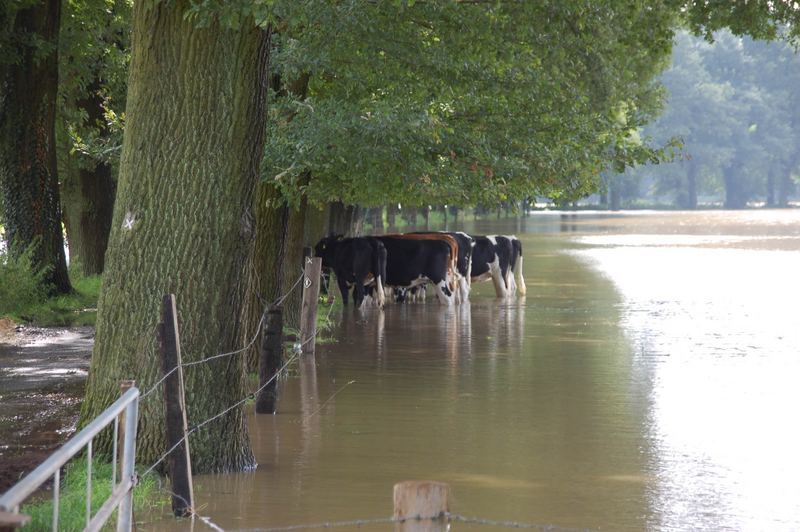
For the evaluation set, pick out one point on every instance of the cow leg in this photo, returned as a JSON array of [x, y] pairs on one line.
[[343, 288], [379, 294], [443, 293], [497, 278], [358, 293], [463, 288], [520, 280], [510, 282]]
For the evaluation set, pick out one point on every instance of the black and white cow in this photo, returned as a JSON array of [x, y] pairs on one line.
[[412, 262], [357, 262], [463, 260], [491, 259], [499, 258]]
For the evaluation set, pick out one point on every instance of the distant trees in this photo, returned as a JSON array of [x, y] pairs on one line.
[[462, 102], [734, 105]]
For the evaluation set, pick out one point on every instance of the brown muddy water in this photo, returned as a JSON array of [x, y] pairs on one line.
[[648, 381]]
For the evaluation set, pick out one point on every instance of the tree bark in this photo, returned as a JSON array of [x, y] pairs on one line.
[[292, 262], [265, 277], [347, 220], [183, 224], [88, 191], [28, 169]]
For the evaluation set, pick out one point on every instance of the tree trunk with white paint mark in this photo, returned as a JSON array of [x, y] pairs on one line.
[[183, 224]]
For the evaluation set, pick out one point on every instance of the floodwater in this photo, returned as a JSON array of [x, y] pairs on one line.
[[648, 381]]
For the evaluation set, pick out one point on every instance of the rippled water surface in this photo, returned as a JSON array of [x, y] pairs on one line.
[[648, 381]]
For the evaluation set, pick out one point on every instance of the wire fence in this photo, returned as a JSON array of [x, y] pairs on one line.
[[353, 523], [248, 397], [446, 517], [249, 344]]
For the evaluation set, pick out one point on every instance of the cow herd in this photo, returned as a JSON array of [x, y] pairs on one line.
[[400, 266]]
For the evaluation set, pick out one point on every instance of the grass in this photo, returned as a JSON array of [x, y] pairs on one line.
[[72, 503], [23, 294], [76, 309]]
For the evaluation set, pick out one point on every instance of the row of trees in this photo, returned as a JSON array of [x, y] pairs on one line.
[[734, 105], [247, 124]]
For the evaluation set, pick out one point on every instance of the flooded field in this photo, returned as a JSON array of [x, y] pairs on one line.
[[647, 382]]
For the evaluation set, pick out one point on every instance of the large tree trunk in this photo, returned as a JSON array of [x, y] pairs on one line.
[[734, 196], [183, 224], [292, 262], [88, 199], [265, 277], [88, 191], [347, 220], [28, 173]]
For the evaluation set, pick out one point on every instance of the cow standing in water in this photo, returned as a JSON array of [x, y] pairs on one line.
[[413, 261], [357, 262], [463, 266], [499, 258]]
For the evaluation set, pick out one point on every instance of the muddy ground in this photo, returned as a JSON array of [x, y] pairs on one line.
[[42, 378]]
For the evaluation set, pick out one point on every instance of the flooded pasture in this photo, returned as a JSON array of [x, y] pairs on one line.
[[646, 382]]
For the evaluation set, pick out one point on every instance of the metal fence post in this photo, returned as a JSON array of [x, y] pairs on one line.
[[125, 512]]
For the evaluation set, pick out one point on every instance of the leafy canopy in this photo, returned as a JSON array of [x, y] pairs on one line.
[[461, 102]]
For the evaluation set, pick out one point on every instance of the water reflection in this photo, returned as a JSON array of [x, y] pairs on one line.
[[645, 383]]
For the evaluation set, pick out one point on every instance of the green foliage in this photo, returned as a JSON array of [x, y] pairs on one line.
[[94, 55], [21, 286], [72, 504], [23, 294], [734, 105], [75, 309], [760, 19], [448, 102]]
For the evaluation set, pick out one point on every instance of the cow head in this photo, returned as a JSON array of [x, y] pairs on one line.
[[326, 248]]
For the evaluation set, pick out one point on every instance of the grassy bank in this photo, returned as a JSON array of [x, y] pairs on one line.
[[24, 296], [72, 503]]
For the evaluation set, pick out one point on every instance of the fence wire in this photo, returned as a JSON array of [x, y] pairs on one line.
[[252, 341], [195, 428], [448, 517]]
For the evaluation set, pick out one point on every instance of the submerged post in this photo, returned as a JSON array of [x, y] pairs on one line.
[[308, 313], [270, 360], [421, 506], [179, 464]]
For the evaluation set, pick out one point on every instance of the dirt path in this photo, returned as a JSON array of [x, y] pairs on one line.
[[42, 378]]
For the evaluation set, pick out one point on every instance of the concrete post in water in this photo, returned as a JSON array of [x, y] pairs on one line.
[[308, 312], [421, 506], [270, 360], [179, 463]]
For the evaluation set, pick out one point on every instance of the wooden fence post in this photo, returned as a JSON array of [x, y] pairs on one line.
[[421, 506], [270, 360], [308, 313], [179, 463]]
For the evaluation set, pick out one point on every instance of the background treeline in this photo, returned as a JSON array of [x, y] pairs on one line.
[[736, 106], [195, 147]]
